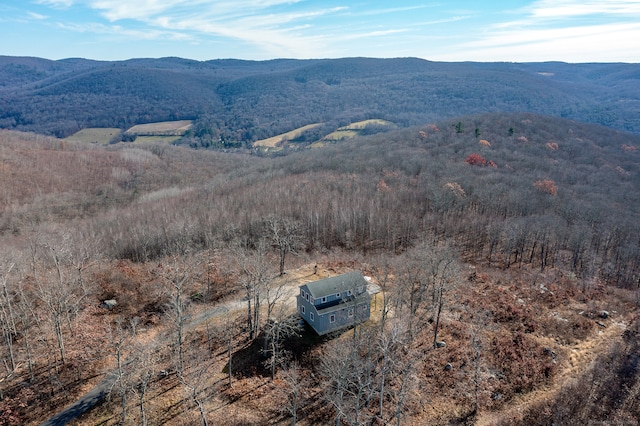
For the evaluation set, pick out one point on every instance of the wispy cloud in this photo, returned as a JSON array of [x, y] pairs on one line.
[[278, 30], [559, 9], [125, 33], [386, 11], [55, 3], [572, 30], [37, 16], [546, 29]]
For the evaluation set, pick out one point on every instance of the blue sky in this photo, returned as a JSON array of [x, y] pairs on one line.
[[480, 30]]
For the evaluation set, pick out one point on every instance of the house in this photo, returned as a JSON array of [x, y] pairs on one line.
[[334, 303]]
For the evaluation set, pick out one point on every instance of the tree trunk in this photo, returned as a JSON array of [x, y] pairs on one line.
[[435, 331]]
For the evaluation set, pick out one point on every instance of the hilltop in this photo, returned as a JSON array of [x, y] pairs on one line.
[[515, 233]]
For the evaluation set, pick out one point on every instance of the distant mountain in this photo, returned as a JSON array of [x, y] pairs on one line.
[[243, 101]]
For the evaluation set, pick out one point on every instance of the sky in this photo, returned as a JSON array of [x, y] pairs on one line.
[[447, 30]]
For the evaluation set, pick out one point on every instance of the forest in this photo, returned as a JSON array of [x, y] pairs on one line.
[[505, 245], [237, 102]]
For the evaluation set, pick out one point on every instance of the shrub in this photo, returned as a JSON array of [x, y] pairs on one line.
[[547, 186], [475, 160]]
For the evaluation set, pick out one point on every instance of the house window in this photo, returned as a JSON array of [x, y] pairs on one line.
[[324, 300], [307, 296], [302, 309], [332, 318], [302, 293], [311, 315]]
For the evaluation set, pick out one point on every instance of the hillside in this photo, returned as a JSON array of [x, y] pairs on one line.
[[239, 102], [512, 238]]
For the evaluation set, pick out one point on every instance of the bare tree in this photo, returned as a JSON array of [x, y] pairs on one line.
[[404, 368], [228, 334], [277, 330], [7, 315], [293, 395], [285, 236], [194, 379], [28, 319], [119, 338], [254, 276], [59, 284], [348, 369], [144, 359], [177, 274], [443, 270]]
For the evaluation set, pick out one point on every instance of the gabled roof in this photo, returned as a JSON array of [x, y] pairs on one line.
[[337, 284]]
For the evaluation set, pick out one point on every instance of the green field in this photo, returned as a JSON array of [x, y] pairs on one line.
[[99, 135]]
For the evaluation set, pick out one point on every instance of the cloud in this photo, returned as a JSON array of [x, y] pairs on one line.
[[122, 32], [589, 43], [569, 30], [273, 25], [559, 9], [56, 3], [391, 10], [37, 16]]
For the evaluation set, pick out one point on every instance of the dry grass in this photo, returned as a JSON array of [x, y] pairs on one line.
[[360, 125], [355, 129], [275, 141], [98, 135], [163, 128], [150, 140]]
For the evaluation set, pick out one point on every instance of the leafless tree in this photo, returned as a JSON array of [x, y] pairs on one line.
[[277, 330], [177, 274], [194, 379], [144, 361], [293, 394], [59, 283], [443, 271], [285, 236], [7, 314], [120, 338], [255, 273], [348, 369]]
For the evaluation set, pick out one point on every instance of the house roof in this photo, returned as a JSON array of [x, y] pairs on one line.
[[337, 284]]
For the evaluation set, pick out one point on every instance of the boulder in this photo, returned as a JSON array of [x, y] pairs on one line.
[[109, 303]]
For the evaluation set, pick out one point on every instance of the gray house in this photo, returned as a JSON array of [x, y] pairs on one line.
[[334, 303]]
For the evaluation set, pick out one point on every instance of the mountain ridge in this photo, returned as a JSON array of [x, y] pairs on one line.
[[252, 100]]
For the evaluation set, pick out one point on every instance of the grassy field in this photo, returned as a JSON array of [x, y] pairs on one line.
[[100, 135], [274, 141], [163, 128], [354, 129]]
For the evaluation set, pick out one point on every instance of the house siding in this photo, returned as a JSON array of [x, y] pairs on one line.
[[325, 302]]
